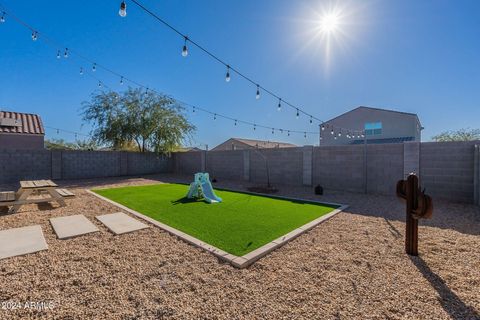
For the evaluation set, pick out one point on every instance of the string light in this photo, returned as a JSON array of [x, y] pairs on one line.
[[34, 35], [81, 71], [101, 84], [227, 76], [58, 54], [65, 54], [2, 18], [279, 107], [123, 10], [340, 133], [215, 57], [185, 49], [258, 92]]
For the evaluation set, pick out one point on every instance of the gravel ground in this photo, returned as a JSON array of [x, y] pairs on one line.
[[351, 267]]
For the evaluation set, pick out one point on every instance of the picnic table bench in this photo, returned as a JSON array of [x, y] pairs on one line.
[[35, 187]]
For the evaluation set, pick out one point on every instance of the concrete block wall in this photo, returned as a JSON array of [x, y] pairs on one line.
[[447, 170], [385, 167], [188, 162], [285, 166], [225, 164], [476, 175], [339, 168], [16, 165], [90, 164], [149, 163]]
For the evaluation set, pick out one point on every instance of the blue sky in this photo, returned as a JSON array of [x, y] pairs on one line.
[[413, 56]]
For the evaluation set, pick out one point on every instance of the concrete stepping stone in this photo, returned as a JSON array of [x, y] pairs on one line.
[[21, 241], [120, 223], [72, 226]]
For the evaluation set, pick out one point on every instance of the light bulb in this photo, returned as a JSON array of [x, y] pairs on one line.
[[281, 131], [279, 107], [65, 54], [311, 120], [34, 35], [305, 135], [185, 49], [58, 54], [235, 122], [258, 92], [298, 114], [288, 133], [193, 109], [123, 10], [323, 127], [94, 67], [340, 133], [332, 132], [121, 80], [227, 76], [81, 71], [215, 116], [2, 19], [273, 131], [99, 84], [254, 127]]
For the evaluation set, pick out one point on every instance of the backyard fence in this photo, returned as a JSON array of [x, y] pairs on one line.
[[448, 170], [16, 165]]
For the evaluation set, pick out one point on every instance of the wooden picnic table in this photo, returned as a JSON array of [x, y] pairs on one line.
[[38, 187]]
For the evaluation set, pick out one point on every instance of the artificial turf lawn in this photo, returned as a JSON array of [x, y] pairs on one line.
[[239, 224]]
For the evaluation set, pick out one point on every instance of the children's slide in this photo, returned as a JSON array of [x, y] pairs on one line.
[[202, 187]]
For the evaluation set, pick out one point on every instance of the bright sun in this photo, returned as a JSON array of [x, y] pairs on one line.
[[329, 22]]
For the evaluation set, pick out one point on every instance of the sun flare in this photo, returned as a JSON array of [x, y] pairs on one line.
[[329, 22]]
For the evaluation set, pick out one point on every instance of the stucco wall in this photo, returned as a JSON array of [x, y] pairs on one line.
[[21, 141], [394, 125]]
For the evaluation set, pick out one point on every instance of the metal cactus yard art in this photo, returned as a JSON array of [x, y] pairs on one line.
[[418, 206]]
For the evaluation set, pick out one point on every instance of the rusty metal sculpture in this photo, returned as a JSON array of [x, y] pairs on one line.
[[419, 206]]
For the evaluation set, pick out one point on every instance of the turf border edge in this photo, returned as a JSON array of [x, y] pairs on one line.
[[249, 258]]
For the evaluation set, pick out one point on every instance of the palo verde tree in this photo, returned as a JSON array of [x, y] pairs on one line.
[[458, 135], [152, 121]]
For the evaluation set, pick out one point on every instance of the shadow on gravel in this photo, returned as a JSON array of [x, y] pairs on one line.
[[451, 303]]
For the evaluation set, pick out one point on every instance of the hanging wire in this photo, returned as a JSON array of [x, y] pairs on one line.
[[51, 42]]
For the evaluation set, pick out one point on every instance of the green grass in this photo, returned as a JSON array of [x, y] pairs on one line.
[[238, 225]]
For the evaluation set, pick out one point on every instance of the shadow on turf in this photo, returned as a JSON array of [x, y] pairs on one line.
[[451, 303], [184, 200]]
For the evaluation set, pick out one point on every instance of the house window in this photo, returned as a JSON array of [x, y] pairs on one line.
[[373, 128]]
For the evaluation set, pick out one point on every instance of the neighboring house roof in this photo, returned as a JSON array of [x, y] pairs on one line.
[[188, 149], [386, 140], [16, 122], [260, 143], [378, 109]]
